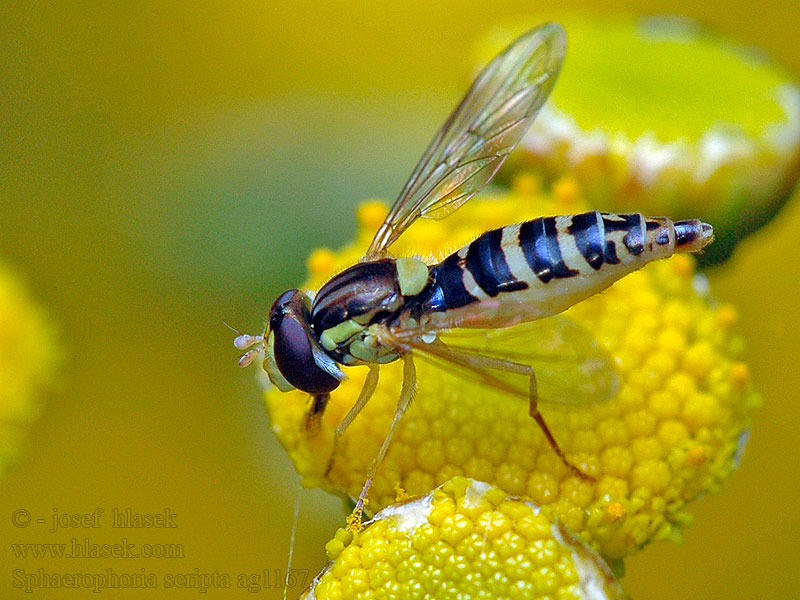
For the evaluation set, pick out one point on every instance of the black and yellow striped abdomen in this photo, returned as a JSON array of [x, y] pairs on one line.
[[538, 268]]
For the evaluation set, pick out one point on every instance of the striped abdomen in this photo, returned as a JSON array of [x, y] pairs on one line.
[[539, 268]]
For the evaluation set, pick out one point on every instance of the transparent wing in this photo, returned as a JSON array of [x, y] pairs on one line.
[[571, 368], [481, 132]]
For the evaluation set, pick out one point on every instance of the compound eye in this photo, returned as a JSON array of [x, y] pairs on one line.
[[294, 349]]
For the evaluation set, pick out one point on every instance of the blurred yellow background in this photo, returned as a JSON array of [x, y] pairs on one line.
[[168, 167]]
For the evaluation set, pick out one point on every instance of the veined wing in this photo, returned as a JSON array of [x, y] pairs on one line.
[[571, 368], [484, 128]]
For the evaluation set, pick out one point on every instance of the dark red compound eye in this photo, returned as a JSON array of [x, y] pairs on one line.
[[295, 346]]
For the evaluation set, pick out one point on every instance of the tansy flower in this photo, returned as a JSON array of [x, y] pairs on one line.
[[27, 358], [671, 433], [465, 539], [659, 116]]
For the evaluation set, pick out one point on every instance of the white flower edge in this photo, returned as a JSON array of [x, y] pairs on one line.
[[648, 157]]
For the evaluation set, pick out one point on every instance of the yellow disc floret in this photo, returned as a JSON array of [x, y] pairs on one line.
[[670, 434], [27, 358], [465, 539]]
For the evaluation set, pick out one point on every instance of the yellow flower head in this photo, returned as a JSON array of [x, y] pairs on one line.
[[465, 539], [27, 357], [672, 432], [657, 115]]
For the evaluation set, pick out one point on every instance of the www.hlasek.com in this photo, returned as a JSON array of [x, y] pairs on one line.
[[85, 548], [31, 581]]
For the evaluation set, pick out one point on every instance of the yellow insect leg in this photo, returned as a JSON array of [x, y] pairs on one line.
[[370, 383], [406, 395]]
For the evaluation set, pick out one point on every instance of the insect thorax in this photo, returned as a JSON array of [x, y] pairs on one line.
[[350, 310]]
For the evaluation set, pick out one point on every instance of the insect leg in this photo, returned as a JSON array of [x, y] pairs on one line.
[[406, 395], [533, 407], [367, 390], [480, 364], [315, 411]]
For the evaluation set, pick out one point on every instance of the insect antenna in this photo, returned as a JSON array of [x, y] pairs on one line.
[[244, 341], [232, 328]]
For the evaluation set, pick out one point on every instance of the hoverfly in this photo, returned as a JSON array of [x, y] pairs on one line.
[[385, 309]]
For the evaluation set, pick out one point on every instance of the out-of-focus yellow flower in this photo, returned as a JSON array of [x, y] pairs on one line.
[[657, 115], [465, 539], [672, 433], [27, 358]]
